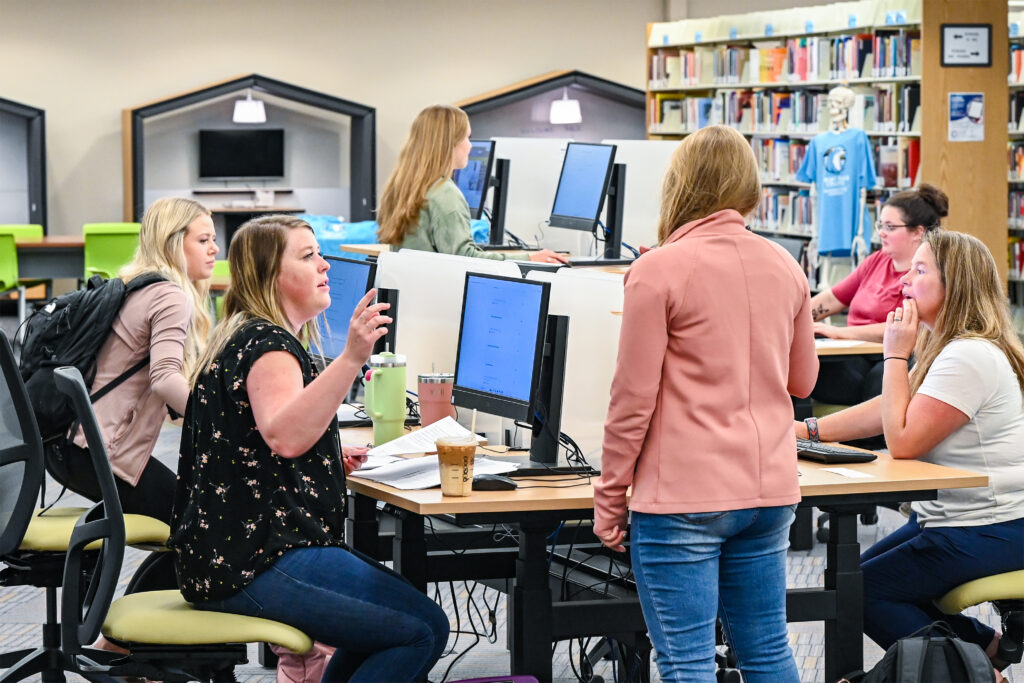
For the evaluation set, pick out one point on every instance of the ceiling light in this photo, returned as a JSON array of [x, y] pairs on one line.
[[565, 110], [249, 110]]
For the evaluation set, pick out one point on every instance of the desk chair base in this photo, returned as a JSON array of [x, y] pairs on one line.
[[168, 663]]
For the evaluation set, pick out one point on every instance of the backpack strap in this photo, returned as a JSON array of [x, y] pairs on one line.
[[976, 662], [910, 662], [117, 381]]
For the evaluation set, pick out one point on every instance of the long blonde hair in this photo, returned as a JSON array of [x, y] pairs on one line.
[[975, 306], [162, 250], [711, 170], [255, 257], [426, 157]]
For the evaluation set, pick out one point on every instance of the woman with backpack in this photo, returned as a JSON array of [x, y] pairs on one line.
[[167, 321], [961, 406]]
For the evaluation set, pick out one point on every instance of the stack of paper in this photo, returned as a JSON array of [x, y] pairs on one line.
[[424, 473], [422, 440]]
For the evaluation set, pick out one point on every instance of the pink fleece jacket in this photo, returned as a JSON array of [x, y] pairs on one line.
[[716, 335]]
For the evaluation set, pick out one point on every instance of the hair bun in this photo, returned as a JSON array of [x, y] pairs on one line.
[[934, 197]]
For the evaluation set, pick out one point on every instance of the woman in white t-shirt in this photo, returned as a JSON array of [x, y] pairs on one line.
[[962, 407]]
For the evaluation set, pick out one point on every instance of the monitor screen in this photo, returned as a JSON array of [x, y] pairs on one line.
[[500, 344], [476, 177], [241, 153], [794, 245], [582, 185], [349, 280]]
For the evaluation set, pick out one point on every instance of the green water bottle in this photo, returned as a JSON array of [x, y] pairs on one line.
[[385, 396]]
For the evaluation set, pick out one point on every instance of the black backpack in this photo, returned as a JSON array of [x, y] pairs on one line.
[[70, 330], [932, 655]]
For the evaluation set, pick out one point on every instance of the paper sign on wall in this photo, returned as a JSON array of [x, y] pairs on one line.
[[966, 116]]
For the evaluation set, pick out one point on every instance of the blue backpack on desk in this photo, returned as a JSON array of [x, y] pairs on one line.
[[932, 655], [70, 330]]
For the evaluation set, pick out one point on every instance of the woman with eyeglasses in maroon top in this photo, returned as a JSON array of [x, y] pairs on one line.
[[872, 291]]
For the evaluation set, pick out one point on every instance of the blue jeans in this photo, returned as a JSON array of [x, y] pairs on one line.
[[691, 568], [383, 628], [911, 567]]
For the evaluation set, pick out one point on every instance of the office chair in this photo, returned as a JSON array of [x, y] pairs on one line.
[[33, 544], [108, 247], [169, 639], [1006, 593], [10, 235]]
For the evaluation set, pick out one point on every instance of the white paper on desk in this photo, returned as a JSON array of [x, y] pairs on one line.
[[847, 472], [422, 440], [836, 343], [424, 473], [375, 461]]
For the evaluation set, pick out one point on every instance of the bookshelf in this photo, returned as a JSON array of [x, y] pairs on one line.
[[768, 73], [764, 76]]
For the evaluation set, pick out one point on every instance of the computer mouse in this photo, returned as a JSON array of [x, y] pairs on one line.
[[493, 482]]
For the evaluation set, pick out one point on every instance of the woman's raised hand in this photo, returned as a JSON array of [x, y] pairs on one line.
[[365, 328]]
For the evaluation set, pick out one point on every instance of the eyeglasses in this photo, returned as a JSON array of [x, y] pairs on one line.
[[889, 227]]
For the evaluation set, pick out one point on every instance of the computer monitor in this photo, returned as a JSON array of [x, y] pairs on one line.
[[476, 177], [794, 245], [501, 343], [349, 280], [582, 185]]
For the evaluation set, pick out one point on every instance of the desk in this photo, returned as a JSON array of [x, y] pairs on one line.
[[365, 249], [61, 256], [535, 621], [830, 348]]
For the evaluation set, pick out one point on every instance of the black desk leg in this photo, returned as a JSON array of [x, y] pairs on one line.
[[844, 635], [530, 605], [410, 549], [361, 527], [801, 534]]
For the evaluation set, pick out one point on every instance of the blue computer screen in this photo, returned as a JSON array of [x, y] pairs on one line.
[[348, 281], [498, 344], [473, 179], [582, 183]]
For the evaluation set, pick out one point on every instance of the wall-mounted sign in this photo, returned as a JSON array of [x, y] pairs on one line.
[[966, 44]]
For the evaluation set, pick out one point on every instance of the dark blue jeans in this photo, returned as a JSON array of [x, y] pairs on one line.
[[695, 567], [911, 567], [383, 628]]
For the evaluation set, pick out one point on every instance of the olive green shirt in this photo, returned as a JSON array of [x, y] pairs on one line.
[[443, 227]]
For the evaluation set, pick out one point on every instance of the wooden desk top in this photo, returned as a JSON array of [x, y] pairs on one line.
[[855, 349], [51, 241], [886, 473], [368, 249]]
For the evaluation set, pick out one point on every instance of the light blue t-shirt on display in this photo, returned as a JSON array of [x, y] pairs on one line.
[[840, 165]]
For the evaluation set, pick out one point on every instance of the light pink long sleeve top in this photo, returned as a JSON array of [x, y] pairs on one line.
[[153, 320], [716, 335]]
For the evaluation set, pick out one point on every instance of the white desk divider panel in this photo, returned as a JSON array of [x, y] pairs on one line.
[[430, 288], [593, 302], [535, 166], [646, 162]]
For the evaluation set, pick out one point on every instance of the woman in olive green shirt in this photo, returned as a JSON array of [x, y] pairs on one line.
[[421, 207]]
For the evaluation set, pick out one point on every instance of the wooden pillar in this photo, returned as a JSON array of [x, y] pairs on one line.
[[973, 174]]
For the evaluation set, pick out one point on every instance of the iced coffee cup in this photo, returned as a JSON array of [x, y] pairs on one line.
[[455, 458]]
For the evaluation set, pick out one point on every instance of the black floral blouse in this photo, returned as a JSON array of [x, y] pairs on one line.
[[238, 505]]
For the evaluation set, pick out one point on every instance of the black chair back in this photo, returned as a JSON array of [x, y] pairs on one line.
[[21, 454], [86, 599]]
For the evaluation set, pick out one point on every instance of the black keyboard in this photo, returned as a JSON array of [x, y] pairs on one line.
[[831, 454], [598, 261], [506, 247]]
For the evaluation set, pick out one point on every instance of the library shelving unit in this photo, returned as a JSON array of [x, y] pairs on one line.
[[768, 75], [1015, 155]]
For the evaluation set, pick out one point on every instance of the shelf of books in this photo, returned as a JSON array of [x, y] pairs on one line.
[[768, 74], [1015, 155]]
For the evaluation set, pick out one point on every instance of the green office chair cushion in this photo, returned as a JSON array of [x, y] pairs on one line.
[[23, 233], [111, 228], [165, 618], [52, 531], [1008, 586]]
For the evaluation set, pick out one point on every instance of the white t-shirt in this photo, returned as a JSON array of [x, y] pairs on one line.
[[975, 377]]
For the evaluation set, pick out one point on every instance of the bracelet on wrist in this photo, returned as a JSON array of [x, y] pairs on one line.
[[895, 358], [812, 428]]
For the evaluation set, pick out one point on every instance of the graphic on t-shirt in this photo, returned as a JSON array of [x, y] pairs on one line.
[[835, 159]]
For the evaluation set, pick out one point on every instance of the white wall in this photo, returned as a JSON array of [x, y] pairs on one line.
[[83, 62], [13, 168], [697, 9]]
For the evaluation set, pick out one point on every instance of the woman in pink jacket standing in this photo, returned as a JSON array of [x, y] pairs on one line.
[[716, 336]]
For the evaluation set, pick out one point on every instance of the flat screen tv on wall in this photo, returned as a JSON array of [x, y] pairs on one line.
[[241, 153]]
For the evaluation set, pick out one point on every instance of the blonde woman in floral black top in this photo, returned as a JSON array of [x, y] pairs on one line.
[[259, 511]]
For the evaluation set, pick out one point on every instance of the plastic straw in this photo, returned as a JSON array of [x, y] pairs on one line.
[[472, 424]]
